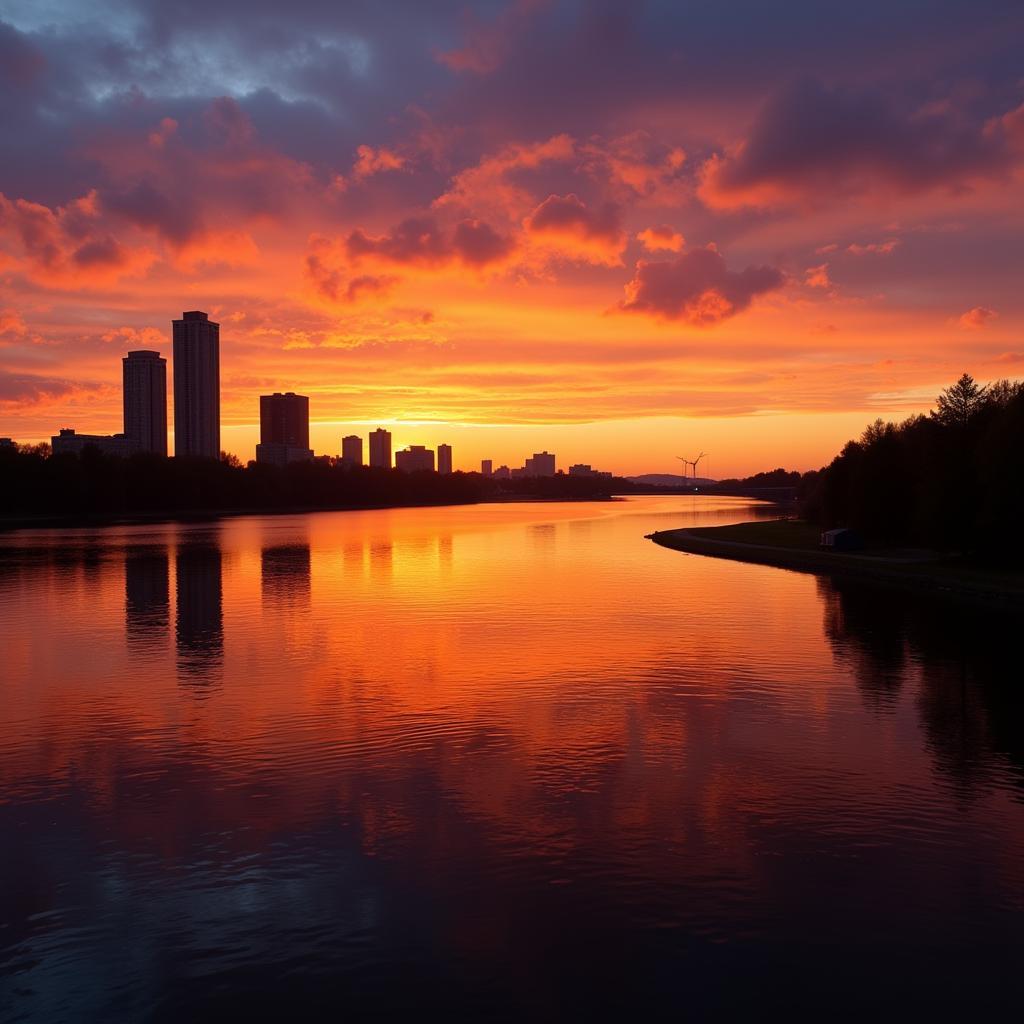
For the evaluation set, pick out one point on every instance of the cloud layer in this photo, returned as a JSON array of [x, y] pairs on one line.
[[428, 210]]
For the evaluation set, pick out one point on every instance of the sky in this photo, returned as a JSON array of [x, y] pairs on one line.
[[618, 231]]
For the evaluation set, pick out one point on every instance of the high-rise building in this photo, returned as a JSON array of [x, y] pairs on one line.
[[196, 385], [352, 450], [380, 448], [444, 458], [284, 419], [414, 459], [144, 392], [542, 464], [486, 467]]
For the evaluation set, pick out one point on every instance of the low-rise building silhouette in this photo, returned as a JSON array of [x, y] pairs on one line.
[[68, 442], [414, 459], [540, 464], [584, 469]]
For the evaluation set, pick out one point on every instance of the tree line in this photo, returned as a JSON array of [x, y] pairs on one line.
[[951, 480]]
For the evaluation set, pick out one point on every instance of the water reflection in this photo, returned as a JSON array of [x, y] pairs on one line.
[[381, 559], [494, 761], [199, 617], [285, 574], [147, 595], [962, 658]]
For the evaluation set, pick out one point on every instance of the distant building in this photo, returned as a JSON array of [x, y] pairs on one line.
[[414, 459], [284, 429], [196, 385], [284, 419], [486, 467], [502, 473], [541, 464], [67, 442], [352, 450], [380, 448], [582, 469], [144, 394], [444, 458]]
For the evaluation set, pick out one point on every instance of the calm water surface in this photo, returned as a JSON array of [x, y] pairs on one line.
[[495, 761]]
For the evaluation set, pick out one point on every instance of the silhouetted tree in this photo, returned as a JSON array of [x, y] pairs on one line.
[[957, 405]]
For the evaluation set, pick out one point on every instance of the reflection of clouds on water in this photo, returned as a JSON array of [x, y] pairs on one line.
[[515, 745]]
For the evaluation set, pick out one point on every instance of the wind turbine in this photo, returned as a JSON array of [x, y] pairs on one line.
[[690, 462]]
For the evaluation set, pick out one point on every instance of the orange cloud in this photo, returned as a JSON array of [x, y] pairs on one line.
[[977, 318], [327, 269], [661, 238], [568, 226], [642, 166], [486, 184], [817, 277], [12, 324], [66, 245], [136, 337], [880, 248], [370, 161]]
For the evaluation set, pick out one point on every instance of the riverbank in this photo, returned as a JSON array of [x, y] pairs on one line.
[[791, 544]]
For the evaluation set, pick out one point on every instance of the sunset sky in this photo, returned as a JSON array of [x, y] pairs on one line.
[[619, 231]]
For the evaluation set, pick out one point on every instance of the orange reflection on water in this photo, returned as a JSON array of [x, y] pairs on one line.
[[520, 655]]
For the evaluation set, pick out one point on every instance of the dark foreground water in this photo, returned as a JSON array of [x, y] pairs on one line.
[[499, 761]]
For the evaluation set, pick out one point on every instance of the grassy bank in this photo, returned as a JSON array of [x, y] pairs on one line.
[[791, 544]]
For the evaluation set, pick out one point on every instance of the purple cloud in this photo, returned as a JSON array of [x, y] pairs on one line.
[[815, 143], [696, 287]]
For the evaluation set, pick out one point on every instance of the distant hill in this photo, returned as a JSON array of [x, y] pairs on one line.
[[668, 480]]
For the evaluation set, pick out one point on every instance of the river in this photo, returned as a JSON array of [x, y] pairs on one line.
[[495, 761]]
